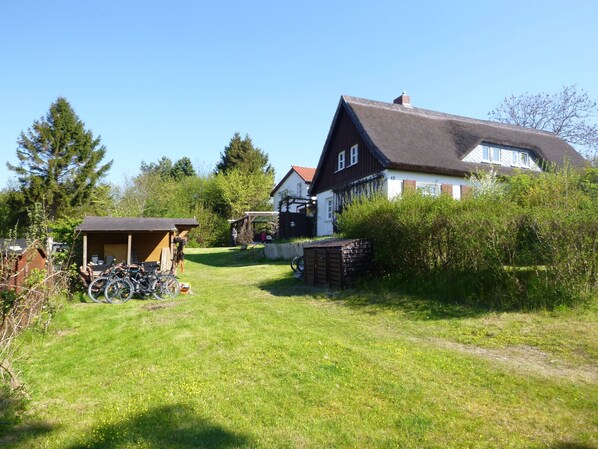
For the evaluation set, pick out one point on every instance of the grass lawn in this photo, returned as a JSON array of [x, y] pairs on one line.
[[254, 358]]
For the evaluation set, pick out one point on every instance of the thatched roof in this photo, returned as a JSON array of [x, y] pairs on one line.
[[414, 139], [115, 224]]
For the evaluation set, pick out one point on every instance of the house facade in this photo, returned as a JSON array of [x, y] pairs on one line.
[[294, 185], [295, 206], [374, 146]]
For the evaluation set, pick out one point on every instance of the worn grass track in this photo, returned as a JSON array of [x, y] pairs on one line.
[[253, 358]]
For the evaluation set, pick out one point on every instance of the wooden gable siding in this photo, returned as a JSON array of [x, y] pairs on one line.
[[345, 135]]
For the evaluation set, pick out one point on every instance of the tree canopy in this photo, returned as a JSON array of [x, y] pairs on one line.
[[240, 154], [60, 162], [570, 114], [166, 169]]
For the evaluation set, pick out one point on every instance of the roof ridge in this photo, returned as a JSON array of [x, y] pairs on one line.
[[439, 115]]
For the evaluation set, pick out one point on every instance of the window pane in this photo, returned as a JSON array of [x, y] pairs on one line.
[[495, 154], [515, 157], [485, 153]]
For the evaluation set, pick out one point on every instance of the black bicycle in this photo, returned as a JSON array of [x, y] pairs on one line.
[[298, 264], [142, 282]]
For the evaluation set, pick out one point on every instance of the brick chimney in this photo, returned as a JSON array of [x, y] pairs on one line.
[[403, 100]]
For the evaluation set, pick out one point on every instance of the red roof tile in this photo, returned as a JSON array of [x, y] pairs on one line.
[[306, 173]]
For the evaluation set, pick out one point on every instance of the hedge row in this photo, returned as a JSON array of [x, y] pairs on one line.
[[530, 242]]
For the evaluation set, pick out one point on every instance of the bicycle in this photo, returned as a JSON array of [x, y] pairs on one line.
[[142, 282], [95, 289], [298, 264]]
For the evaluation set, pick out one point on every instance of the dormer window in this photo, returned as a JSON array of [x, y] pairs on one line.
[[520, 159], [491, 154], [341, 161], [503, 155], [354, 154]]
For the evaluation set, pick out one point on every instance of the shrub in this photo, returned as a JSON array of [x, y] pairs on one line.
[[532, 243]]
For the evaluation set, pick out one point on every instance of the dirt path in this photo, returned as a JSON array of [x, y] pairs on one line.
[[526, 359]]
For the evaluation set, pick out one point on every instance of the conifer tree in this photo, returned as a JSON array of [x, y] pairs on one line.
[[60, 162], [242, 155]]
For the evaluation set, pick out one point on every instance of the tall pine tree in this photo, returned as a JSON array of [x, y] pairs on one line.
[[60, 162], [240, 154]]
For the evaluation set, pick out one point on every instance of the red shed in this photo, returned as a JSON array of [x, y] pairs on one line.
[[17, 260]]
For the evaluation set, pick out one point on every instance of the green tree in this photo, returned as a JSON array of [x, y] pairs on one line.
[[240, 154], [60, 162], [167, 170], [183, 168], [237, 191]]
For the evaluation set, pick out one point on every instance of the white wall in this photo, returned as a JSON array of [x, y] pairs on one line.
[[393, 186], [290, 184], [395, 178]]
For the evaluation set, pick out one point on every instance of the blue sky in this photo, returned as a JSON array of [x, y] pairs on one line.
[[180, 78]]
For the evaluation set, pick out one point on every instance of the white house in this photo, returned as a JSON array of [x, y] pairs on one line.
[[293, 186], [392, 147]]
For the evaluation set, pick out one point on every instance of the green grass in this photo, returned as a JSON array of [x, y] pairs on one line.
[[254, 358]]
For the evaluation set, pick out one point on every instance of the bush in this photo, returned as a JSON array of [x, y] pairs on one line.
[[531, 244]]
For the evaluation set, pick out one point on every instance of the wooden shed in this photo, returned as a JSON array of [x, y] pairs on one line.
[[17, 259], [336, 263], [131, 240]]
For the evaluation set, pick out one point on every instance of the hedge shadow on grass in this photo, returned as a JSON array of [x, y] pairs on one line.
[[164, 427], [374, 295], [233, 257], [289, 286], [414, 307]]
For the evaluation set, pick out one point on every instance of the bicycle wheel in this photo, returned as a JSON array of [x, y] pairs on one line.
[[96, 288], [300, 264], [118, 291], [294, 263], [166, 287]]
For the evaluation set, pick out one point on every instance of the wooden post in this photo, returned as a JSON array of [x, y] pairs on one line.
[[129, 245], [84, 264]]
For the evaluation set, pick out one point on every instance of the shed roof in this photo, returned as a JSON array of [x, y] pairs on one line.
[[18, 246], [118, 224], [13, 246], [331, 243]]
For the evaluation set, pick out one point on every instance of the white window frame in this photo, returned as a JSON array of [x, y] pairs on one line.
[[486, 153], [329, 209], [354, 152], [340, 161], [495, 152], [524, 160], [515, 158], [428, 188], [491, 153], [299, 189]]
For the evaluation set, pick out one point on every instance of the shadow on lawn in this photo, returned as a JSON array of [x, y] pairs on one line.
[[232, 257], [166, 427], [373, 298], [13, 436]]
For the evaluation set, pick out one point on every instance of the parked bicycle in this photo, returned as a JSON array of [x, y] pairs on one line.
[[143, 282], [298, 264], [95, 289]]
